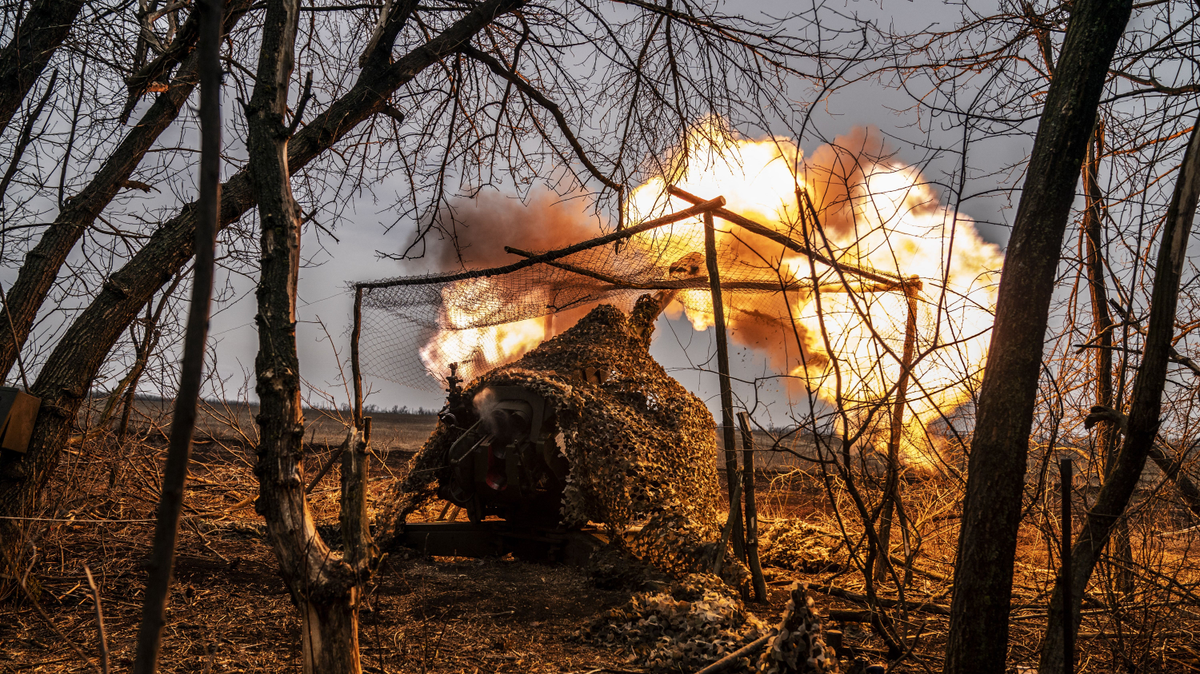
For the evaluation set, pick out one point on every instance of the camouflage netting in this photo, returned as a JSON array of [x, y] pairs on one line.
[[793, 544], [464, 314], [694, 622], [641, 447], [414, 327], [699, 620], [798, 644]]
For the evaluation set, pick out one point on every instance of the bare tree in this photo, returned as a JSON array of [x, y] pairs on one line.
[[70, 368], [1145, 409], [324, 587], [996, 472], [989, 77], [43, 262], [452, 97]]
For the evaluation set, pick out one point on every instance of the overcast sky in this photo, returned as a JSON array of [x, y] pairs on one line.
[[324, 295]]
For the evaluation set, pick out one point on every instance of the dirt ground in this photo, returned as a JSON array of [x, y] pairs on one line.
[[229, 611]]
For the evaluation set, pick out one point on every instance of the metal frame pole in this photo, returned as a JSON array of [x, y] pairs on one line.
[[355, 372]]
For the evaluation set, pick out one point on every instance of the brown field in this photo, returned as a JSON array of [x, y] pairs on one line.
[[230, 612]]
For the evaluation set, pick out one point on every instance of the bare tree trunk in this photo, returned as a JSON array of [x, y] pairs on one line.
[[1106, 435], [978, 640], [65, 377], [183, 420], [25, 57], [1144, 408], [324, 587], [43, 262]]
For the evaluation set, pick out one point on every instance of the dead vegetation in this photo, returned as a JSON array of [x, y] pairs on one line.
[[230, 612]]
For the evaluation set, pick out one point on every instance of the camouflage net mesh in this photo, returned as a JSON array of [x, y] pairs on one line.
[[797, 545], [640, 446], [694, 622], [699, 620], [798, 644], [414, 328]]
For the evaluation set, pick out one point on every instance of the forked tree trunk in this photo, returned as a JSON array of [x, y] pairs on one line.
[[1144, 409], [322, 585], [978, 640]]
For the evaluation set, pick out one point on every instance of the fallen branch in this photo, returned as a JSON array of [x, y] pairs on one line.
[[844, 616], [725, 663], [920, 607]]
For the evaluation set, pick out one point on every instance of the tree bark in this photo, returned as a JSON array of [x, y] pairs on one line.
[[191, 375], [1144, 410], [43, 262], [978, 640], [25, 57], [67, 374], [321, 584]]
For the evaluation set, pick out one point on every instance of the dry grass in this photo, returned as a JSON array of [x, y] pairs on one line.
[[229, 611]]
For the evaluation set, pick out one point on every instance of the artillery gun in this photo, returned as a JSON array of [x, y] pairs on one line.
[[508, 459]]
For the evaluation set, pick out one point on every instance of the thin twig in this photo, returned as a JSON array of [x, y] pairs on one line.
[[99, 620], [301, 105]]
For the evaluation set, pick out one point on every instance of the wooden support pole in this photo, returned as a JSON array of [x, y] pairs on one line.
[[355, 372], [891, 489], [731, 468], [768, 233], [356, 530], [756, 574], [1064, 576], [719, 555]]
